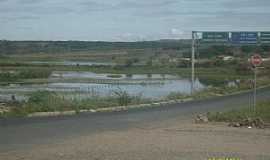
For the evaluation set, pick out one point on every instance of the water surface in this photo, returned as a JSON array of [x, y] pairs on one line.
[[152, 90], [74, 63]]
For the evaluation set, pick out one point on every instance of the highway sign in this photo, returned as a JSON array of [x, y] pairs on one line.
[[244, 37], [265, 37], [256, 60], [215, 36]]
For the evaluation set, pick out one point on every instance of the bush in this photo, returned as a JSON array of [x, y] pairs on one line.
[[176, 95], [149, 62], [243, 69], [128, 62], [45, 101], [35, 73], [123, 97], [41, 97], [262, 111], [8, 77], [114, 76], [25, 74]]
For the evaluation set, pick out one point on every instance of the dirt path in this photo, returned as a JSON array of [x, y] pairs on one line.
[[172, 140]]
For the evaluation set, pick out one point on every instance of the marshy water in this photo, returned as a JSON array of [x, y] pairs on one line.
[[153, 86], [73, 63], [91, 75]]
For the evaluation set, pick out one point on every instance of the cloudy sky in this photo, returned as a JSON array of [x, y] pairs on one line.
[[127, 20]]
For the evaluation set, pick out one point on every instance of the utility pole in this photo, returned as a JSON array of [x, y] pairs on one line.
[[193, 63]]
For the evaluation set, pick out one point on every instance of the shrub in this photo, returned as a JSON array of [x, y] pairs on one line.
[[25, 74], [35, 73], [262, 111], [44, 101], [114, 76], [128, 62], [176, 95], [8, 77], [123, 97]]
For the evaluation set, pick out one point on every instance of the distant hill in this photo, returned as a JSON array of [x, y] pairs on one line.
[[164, 46], [26, 47]]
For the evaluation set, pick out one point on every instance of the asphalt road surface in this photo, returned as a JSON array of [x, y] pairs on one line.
[[22, 133]]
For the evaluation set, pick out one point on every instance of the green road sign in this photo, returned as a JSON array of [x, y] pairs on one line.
[[215, 36], [265, 37]]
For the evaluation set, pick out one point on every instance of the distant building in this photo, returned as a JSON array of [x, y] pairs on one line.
[[225, 58]]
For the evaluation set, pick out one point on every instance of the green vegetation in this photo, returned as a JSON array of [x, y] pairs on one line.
[[262, 111], [162, 57], [207, 93], [7, 77], [114, 76], [34, 73], [45, 101], [124, 98], [13, 47], [208, 51], [218, 89], [43, 72], [153, 57], [125, 53], [176, 95], [31, 73]]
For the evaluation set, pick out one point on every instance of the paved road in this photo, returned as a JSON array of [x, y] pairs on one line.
[[16, 134]]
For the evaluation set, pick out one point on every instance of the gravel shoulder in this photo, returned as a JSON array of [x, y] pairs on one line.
[[173, 140]]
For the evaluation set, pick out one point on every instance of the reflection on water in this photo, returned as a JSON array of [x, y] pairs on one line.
[[73, 63], [147, 85], [11, 97], [70, 74], [148, 91], [157, 90]]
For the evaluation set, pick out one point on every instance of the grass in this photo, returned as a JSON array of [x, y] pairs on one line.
[[202, 72], [262, 111], [31, 73], [50, 101], [39, 73], [45, 101], [207, 93], [114, 76]]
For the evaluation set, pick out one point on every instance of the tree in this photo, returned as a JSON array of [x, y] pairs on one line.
[[149, 62], [128, 62]]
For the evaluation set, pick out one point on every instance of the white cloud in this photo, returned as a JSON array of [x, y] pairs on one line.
[[130, 37], [127, 20], [176, 32]]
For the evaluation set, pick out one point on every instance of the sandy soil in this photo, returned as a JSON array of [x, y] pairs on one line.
[[172, 140]]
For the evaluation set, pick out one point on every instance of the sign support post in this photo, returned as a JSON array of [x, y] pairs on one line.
[[192, 63], [256, 60], [255, 88]]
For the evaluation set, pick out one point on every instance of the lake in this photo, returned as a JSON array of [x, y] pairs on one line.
[[153, 86]]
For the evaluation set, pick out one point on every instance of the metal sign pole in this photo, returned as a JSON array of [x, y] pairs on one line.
[[256, 60], [193, 63], [255, 88], [250, 97]]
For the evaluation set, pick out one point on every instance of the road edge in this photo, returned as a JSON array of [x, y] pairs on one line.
[[138, 106]]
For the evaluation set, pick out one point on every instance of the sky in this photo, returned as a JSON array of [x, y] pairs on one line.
[[127, 20]]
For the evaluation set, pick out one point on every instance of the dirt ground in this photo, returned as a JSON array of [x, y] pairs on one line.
[[172, 140]]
